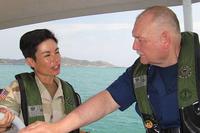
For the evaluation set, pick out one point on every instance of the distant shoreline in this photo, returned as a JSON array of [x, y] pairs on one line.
[[76, 66], [69, 62]]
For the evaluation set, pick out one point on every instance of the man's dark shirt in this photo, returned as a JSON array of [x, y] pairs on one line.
[[162, 91]]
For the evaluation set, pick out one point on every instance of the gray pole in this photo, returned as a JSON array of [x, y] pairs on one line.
[[187, 13]]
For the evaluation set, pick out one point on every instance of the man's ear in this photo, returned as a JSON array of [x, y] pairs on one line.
[[30, 61], [165, 39]]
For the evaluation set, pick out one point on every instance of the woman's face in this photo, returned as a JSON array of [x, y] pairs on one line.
[[48, 59]]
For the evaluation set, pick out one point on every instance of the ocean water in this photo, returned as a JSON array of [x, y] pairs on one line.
[[87, 82]]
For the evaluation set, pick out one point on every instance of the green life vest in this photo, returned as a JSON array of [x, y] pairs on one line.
[[188, 79], [31, 102]]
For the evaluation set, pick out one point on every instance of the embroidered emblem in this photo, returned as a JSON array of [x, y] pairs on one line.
[[148, 124], [35, 110], [140, 81], [185, 72]]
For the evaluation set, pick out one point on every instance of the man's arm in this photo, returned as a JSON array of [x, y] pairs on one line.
[[93, 109]]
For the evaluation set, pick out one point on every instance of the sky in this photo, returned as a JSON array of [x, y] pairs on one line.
[[105, 37]]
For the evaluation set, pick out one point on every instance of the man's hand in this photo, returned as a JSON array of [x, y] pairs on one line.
[[39, 127]]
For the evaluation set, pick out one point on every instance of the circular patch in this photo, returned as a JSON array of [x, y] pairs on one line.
[[148, 124], [185, 72]]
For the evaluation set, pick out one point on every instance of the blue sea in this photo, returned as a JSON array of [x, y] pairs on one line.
[[88, 81]]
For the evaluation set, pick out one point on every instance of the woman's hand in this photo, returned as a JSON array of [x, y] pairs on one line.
[[5, 123]]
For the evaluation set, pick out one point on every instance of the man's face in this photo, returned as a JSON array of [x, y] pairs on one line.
[[147, 41], [47, 62]]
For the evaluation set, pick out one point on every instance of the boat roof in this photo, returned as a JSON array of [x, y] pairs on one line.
[[22, 12]]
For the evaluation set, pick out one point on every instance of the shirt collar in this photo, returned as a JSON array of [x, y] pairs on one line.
[[43, 91]]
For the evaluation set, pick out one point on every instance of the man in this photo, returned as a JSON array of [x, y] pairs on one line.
[[162, 81], [39, 95]]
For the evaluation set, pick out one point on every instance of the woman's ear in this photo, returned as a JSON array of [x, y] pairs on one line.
[[30, 61]]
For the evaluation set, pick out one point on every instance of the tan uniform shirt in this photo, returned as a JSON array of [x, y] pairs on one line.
[[53, 108]]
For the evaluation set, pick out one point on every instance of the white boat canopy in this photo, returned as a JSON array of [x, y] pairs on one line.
[[22, 12]]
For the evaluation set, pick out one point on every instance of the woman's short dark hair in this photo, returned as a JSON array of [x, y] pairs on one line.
[[30, 40]]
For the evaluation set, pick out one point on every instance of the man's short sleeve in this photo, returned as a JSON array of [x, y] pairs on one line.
[[122, 89]]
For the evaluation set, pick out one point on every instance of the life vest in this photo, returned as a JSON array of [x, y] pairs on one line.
[[188, 87], [31, 102]]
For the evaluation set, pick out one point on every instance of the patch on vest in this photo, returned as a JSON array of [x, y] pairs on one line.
[[140, 81], [35, 110], [185, 72]]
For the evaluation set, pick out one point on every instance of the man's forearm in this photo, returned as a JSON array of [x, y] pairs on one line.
[[92, 110]]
